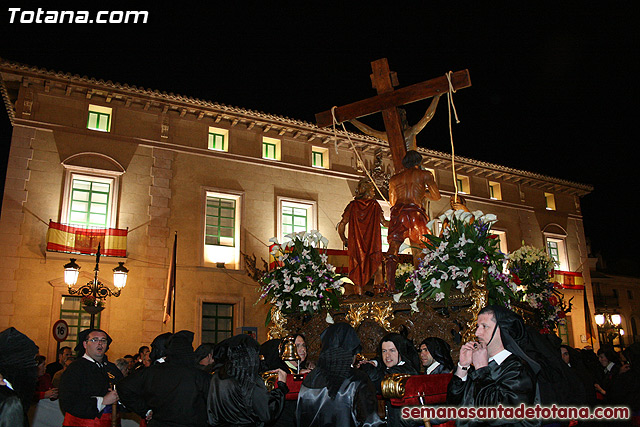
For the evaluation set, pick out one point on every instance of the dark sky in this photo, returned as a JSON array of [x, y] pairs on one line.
[[554, 84]]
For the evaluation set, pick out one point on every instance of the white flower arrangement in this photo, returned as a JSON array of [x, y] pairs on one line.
[[303, 281], [460, 255]]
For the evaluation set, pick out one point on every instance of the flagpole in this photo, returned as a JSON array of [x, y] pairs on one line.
[[170, 295], [175, 257]]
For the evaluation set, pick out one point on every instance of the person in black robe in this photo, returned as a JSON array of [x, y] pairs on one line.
[[435, 355], [610, 368], [502, 373], [396, 355], [174, 391], [271, 360], [87, 386], [334, 393], [625, 390], [238, 396], [18, 374]]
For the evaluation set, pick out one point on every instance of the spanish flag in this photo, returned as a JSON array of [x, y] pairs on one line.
[[82, 240]]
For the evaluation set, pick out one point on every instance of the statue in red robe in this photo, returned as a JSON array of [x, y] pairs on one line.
[[364, 216]]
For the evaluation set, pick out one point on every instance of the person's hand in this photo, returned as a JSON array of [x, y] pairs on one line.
[[110, 398], [282, 375], [305, 371], [52, 394], [480, 356], [625, 368], [363, 362], [600, 389], [466, 354]]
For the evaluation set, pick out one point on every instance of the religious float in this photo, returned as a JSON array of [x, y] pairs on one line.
[[457, 267]]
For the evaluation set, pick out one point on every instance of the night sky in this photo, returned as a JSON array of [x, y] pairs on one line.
[[554, 86]]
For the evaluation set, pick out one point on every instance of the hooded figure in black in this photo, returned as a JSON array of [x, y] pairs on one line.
[[159, 348], [238, 396], [18, 373], [625, 390], [334, 393], [435, 355], [502, 373], [270, 357], [174, 391], [270, 360]]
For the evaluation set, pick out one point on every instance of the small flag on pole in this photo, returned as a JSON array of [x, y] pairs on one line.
[[171, 284]]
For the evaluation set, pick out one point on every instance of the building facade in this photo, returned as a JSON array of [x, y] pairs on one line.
[[97, 154]]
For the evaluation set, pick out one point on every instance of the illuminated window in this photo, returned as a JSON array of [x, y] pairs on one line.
[[99, 118], [550, 201], [295, 216], [217, 322], [494, 191], [270, 148], [89, 200], [463, 184], [556, 249], [222, 229], [220, 221], [218, 139], [320, 157]]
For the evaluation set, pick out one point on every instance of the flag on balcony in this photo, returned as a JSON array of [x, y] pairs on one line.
[[83, 240]]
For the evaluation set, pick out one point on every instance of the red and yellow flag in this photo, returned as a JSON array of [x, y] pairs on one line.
[[82, 240]]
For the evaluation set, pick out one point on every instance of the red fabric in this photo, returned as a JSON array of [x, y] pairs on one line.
[[42, 385], [293, 386], [432, 389], [71, 421], [364, 242]]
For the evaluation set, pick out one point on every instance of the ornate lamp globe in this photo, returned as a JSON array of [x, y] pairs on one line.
[[71, 272], [599, 319], [616, 319], [120, 275]]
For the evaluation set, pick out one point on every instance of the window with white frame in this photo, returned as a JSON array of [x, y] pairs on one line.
[[463, 184], [90, 198], [320, 157], [494, 191], [550, 201], [270, 148], [222, 229], [99, 118], [556, 248], [295, 216], [218, 139]]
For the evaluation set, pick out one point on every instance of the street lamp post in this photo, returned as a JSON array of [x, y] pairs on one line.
[[95, 289], [609, 327]]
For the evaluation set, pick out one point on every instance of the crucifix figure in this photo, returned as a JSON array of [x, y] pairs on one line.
[[388, 100], [409, 215], [409, 132]]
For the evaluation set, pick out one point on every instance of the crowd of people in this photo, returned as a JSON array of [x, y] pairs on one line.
[[170, 384]]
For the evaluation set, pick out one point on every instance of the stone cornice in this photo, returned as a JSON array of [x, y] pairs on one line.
[[297, 129]]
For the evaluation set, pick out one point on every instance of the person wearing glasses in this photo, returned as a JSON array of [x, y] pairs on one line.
[[87, 388]]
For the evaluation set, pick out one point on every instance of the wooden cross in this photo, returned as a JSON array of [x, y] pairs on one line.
[[388, 101]]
